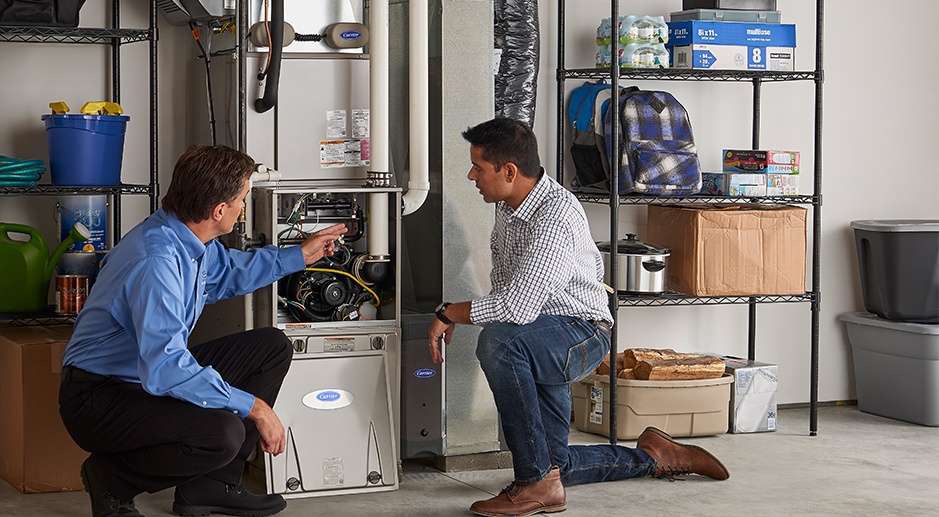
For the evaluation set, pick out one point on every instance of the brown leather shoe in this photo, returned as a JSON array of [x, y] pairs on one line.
[[675, 459], [516, 500]]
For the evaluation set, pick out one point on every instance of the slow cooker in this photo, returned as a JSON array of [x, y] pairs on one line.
[[641, 268]]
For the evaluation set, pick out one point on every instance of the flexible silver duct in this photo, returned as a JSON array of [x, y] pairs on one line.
[[515, 32]]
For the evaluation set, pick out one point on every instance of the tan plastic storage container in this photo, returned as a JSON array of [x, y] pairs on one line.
[[680, 408]]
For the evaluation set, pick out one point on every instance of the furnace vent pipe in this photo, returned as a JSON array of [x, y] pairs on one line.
[[379, 172], [418, 95]]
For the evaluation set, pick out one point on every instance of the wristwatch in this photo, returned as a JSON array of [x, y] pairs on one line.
[[439, 312]]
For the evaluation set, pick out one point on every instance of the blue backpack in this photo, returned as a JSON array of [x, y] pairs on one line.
[[657, 154], [587, 105]]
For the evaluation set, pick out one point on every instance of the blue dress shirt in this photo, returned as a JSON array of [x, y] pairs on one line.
[[149, 294]]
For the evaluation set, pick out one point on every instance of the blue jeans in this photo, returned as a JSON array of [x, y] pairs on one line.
[[530, 369]]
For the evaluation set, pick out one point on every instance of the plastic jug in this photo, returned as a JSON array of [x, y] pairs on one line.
[[26, 269]]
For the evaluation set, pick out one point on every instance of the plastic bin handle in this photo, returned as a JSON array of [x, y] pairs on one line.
[[102, 108], [59, 108]]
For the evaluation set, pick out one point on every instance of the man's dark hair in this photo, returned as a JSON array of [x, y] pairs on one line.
[[505, 140], [205, 176]]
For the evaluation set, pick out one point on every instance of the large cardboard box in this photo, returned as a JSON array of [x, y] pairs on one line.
[[36, 452], [680, 408], [753, 396], [737, 250]]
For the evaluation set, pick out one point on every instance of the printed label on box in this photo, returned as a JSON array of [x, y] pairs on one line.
[[596, 405], [733, 57]]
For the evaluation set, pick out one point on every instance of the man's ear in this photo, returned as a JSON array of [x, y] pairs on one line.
[[217, 211], [511, 172]]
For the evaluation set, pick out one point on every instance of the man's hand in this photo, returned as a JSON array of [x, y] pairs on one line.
[[273, 437], [322, 243], [455, 312], [438, 330]]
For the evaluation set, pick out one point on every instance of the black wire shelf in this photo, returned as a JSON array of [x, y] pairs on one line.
[[675, 74], [72, 35], [44, 190], [673, 298], [588, 197], [27, 319]]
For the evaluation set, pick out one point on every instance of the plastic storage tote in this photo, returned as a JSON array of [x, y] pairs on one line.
[[680, 408], [899, 266], [896, 367]]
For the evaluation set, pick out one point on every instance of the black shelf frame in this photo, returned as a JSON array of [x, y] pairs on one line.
[[116, 37], [32, 319], [613, 75], [89, 36]]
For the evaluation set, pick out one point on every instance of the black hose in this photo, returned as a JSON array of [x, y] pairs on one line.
[[277, 46]]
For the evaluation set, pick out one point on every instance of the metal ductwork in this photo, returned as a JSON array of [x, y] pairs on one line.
[[515, 33]]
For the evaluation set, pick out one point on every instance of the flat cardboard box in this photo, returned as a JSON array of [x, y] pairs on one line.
[[36, 452], [706, 56], [680, 408], [753, 395], [733, 184], [739, 250], [763, 161]]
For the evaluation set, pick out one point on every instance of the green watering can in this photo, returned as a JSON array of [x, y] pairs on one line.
[[26, 269]]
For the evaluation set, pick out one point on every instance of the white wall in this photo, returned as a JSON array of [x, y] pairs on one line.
[[881, 125], [880, 117]]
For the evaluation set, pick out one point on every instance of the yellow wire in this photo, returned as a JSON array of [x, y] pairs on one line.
[[323, 270]]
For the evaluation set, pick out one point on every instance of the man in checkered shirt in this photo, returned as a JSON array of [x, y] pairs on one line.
[[546, 324]]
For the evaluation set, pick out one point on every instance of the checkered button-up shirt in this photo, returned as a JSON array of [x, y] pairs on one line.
[[544, 261]]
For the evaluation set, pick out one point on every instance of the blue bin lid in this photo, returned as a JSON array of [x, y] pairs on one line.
[[897, 225]]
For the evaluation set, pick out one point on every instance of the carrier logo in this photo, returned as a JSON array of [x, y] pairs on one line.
[[350, 35], [425, 373], [328, 399]]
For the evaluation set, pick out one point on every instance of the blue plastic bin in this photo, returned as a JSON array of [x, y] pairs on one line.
[[85, 150]]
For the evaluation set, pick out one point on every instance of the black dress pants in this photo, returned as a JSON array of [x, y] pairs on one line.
[[144, 443]]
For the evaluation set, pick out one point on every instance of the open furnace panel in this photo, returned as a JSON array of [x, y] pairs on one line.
[[356, 286], [338, 402]]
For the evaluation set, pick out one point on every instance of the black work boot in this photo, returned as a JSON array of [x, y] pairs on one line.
[[103, 502], [204, 496]]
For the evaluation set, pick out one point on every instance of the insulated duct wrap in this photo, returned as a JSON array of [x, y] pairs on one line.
[[515, 31]]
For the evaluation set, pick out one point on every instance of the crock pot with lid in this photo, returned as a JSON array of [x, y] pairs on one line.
[[641, 267]]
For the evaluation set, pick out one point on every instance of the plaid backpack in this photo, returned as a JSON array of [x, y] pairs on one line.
[[657, 152]]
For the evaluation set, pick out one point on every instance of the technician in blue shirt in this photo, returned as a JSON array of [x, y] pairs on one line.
[[153, 413]]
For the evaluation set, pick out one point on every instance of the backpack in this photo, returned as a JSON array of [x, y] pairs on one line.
[[657, 152], [587, 105]]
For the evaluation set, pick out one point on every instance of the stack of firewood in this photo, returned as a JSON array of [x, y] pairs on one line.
[[651, 364]]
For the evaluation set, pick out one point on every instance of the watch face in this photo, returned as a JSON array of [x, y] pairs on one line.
[[441, 307]]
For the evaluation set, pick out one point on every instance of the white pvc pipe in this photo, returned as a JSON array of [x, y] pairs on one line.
[[378, 85], [378, 132], [378, 225], [419, 92]]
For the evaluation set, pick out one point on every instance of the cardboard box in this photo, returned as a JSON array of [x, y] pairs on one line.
[[769, 162], [747, 34], [703, 56], [753, 395], [680, 408], [735, 250], [782, 184], [36, 452], [733, 184]]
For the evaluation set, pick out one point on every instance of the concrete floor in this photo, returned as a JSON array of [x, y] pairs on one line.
[[859, 464]]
